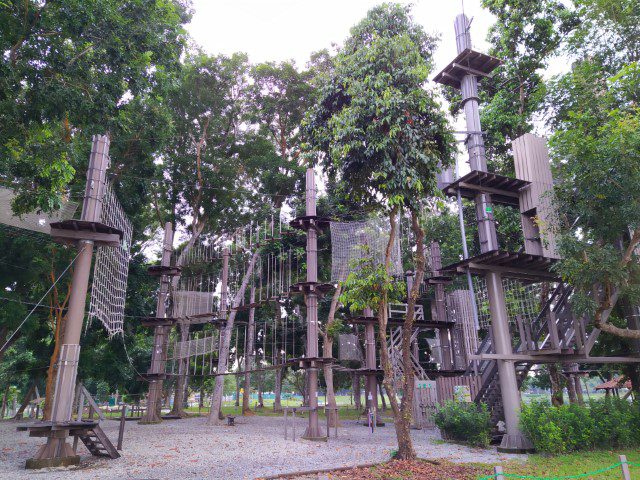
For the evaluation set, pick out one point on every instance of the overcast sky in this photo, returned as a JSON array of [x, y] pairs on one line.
[[276, 30]]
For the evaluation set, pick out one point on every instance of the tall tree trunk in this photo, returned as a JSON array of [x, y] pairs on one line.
[[181, 381], [249, 354], [384, 402], [277, 401], [402, 416], [215, 416], [260, 383], [237, 402], [327, 352], [557, 396], [5, 396], [357, 401]]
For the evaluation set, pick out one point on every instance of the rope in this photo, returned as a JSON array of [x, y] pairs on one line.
[[567, 477], [8, 342]]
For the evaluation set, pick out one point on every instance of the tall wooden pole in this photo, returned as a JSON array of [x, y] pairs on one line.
[[160, 337], [311, 299], [56, 449], [513, 441]]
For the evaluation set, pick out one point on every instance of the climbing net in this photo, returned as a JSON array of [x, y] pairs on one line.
[[111, 269], [349, 348], [197, 295], [35, 222], [353, 241], [522, 299]]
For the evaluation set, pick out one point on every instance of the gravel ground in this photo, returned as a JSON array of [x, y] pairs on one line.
[[255, 447]]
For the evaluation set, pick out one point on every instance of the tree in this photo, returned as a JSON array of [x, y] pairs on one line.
[[525, 36], [378, 129], [596, 154]]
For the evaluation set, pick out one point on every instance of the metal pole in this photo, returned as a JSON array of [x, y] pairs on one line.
[[313, 429], [370, 362], [160, 336]]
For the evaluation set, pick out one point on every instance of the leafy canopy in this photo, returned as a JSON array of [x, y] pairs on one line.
[[375, 123]]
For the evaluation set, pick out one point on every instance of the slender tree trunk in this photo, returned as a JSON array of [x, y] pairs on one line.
[[5, 396], [215, 416], [249, 354], [402, 416], [384, 402], [260, 382], [277, 401], [181, 381], [237, 402], [327, 352], [357, 401]]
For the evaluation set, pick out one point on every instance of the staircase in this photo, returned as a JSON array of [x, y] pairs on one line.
[[98, 443], [394, 346], [569, 333]]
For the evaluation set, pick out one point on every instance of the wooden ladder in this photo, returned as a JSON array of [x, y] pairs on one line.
[[98, 443]]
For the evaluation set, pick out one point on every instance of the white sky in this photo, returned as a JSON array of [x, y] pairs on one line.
[[276, 30]]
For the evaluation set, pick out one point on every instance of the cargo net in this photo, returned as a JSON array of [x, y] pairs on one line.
[[111, 269], [194, 354], [353, 241], [522, 299], [196, 295], [349, 348], [35, 222]]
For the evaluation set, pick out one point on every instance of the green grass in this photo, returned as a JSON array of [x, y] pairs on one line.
[[576, 464]]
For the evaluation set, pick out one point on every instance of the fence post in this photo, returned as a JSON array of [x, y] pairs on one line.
[[498, 473], [626, 474], [123, 419]]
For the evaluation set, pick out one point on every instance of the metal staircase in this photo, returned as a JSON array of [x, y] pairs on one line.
[[543, 340]]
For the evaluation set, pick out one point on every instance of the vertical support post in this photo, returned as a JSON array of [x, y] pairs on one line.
[[56, 446], [313, 429], [626, 474], [498, 473], [474, 141], [160, 337], [371, 389], [513, 441], [123, 418]]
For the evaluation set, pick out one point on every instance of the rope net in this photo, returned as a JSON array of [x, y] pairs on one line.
[[197, 295], [522, 299], [36, 222], [111, 269], [349, 348], [353, 241]]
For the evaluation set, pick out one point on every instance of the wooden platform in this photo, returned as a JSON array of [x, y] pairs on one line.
[[521, 266], [306, 222], [468, 62], [160, 270], [503, 190], [71, 231], [398, 322]]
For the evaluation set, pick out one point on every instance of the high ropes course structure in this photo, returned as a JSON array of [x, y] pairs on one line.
[[481, 324]]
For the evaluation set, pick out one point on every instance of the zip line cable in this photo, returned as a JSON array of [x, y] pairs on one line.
[[40, 301]]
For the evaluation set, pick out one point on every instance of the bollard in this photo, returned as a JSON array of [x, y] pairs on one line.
[[626, 474], [498, 473], [123, 418]]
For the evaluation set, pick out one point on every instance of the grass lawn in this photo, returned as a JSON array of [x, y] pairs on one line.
[[577, 464]]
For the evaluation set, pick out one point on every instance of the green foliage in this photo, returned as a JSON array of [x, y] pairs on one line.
[[464, 422], [375, 123], [73, 69], [596, 152], [369, 286], [608, 423], [525, 37]]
